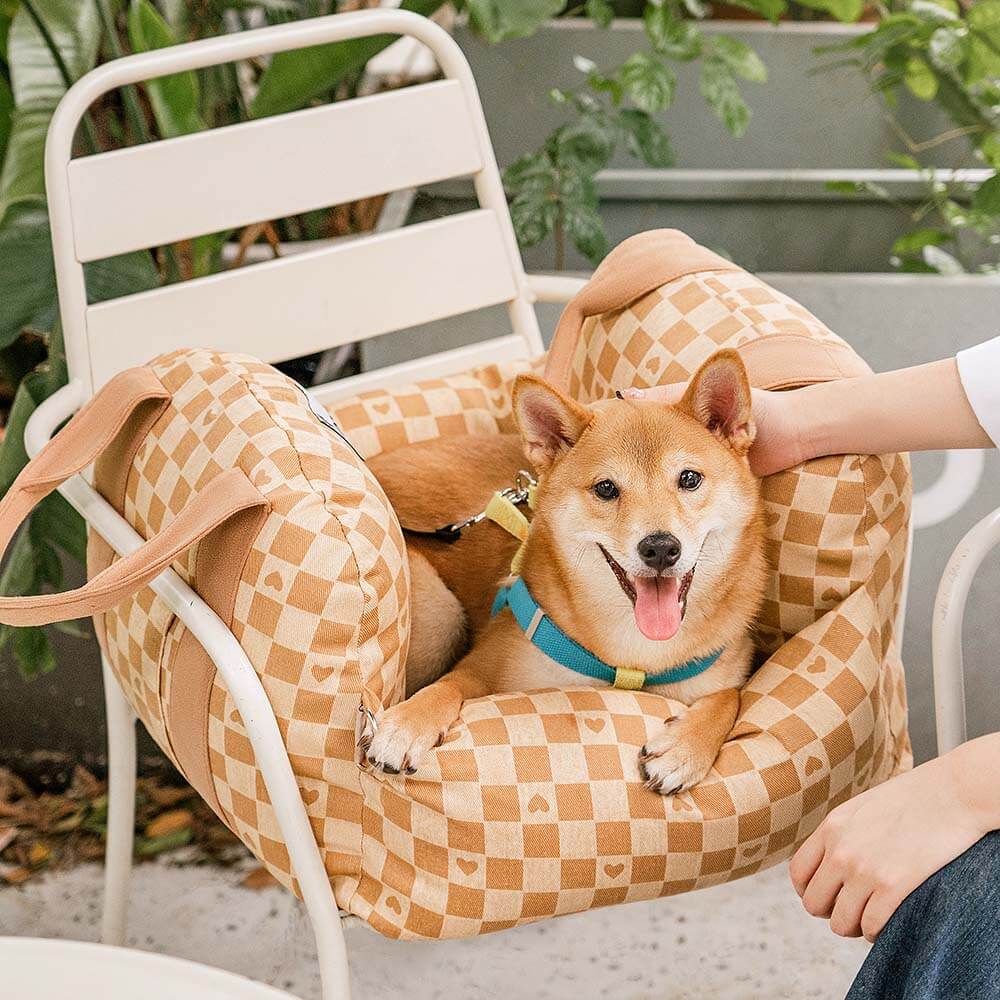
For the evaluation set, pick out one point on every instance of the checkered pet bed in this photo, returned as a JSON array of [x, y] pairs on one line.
[[533, 806]]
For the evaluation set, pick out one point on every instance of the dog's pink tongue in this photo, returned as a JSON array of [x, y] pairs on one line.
[[657, 607]]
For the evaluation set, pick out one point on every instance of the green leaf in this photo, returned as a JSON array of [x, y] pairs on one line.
[[740, 58], [7, 10], [947, 48], [990, 148], [601, 12], [174, 99], [581, 221], [586, 229], [55, 520], [603, 84], [936, 11], [498, 20], [648, 82], [589, 141], [6, 115], [847, 11], [987, 197], [942, 261], [844, 187], [983, 19], [33, 651], [27, 276], [915, 241], [148, 848], [696, 8], [37, 84], [723, 95], [76, 629], [531, 182], [768, 9], [645, 139], [13, 457], [903, 160], [920, 79], [18, 574], [671, 36], [126, 274], [48, 568], [293, 79]]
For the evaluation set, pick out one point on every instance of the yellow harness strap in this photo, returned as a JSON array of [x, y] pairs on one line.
[[501, 510]]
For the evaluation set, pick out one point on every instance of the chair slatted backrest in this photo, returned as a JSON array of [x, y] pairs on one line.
[[174, 189]]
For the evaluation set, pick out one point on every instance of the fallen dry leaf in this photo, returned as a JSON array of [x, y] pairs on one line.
[[15, 874], [258, 878], [44, 830], [164, 796], [168, 823], [38, 853]]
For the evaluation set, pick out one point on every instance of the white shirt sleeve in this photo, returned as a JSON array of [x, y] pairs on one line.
[[979, 370]]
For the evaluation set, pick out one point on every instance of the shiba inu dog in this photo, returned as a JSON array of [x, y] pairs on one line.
[[644, 565]]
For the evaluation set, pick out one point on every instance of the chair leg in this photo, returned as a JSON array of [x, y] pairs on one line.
[[331, 950], [121, 809]]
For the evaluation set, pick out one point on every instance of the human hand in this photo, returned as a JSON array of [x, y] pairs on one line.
[[780, 442], [872, 851]]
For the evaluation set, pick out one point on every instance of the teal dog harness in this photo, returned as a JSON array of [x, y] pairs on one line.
[[554, 643]]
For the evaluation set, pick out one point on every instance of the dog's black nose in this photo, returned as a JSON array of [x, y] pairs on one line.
[[659, 550]]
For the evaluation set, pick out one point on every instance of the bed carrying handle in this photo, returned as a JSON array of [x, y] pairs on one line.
[[657, 257], [93, 428]]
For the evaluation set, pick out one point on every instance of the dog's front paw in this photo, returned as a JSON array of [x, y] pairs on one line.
[[401, 739], [674, 760]]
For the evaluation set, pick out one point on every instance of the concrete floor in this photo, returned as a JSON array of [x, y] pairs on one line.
[[747, 941]]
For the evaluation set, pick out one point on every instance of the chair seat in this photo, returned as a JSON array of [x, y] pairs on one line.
[[48, 969]]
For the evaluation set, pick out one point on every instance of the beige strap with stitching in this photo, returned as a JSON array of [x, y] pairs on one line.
[[78, 444]]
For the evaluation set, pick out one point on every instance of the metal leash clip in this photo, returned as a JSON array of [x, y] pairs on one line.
[[519, 493]]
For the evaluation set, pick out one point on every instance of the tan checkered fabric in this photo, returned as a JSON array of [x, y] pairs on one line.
[[534, 805]]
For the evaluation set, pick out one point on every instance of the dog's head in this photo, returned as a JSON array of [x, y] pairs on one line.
[[637, 496]]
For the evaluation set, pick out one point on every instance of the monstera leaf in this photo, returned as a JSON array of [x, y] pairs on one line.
[[292, 79], [51, 44]]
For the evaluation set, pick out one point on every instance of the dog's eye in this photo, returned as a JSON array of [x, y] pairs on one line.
[[606, 490], [689, 479]]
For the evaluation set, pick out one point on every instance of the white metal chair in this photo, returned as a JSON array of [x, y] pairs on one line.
[[99, 207]]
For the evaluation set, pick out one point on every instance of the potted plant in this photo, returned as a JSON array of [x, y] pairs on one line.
[[799, 121]]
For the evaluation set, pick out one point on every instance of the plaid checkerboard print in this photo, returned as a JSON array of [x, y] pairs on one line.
[[533, 806]]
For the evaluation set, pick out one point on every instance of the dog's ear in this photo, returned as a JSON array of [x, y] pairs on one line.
[[550, 423], [719, 397]]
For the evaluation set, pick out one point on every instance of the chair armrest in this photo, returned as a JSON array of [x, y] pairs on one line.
[[951, 491], [554, 287], [946, 643]]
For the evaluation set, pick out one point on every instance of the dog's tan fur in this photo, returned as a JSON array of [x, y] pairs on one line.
[[642, 446]]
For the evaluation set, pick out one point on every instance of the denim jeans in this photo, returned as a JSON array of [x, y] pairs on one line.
[[943, 943]]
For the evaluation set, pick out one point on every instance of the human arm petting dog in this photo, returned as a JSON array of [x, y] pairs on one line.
[[924, 408], [934, 813]]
